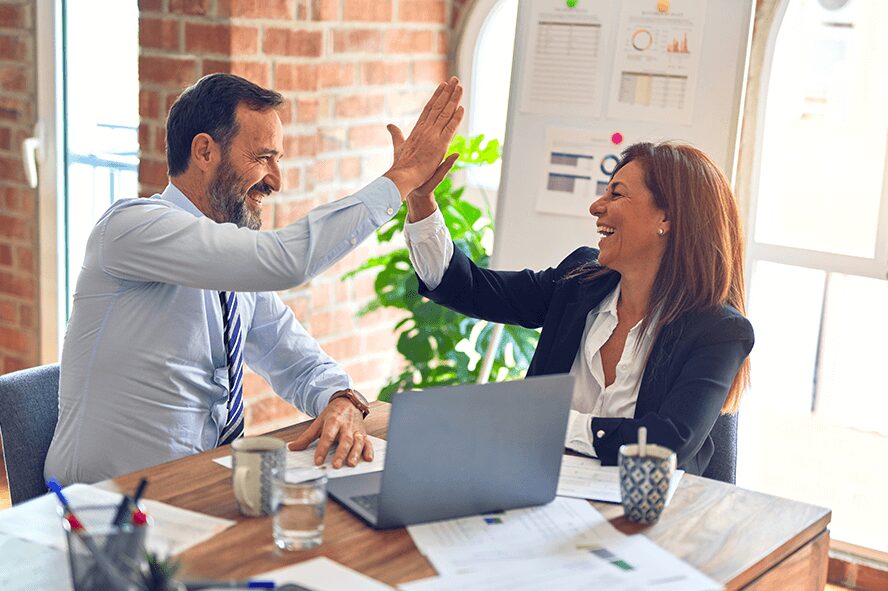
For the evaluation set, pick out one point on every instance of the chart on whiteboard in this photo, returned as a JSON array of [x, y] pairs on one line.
[[562, 65], [657, 60], [578, 167]]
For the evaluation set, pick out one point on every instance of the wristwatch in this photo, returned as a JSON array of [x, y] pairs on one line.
[[355, 398]]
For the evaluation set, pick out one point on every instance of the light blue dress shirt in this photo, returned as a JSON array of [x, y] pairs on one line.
[[143, 375]]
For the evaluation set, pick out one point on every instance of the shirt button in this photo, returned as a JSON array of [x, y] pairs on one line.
[[390, 211], [353, 241], [600, 433]]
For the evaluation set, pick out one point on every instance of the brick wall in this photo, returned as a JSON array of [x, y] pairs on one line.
[[346, 67], [18, 217]]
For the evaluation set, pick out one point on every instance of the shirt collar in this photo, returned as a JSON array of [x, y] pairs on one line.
[[178, 198], [609, 304]]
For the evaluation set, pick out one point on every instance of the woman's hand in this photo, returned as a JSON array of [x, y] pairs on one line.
[[421, 201]]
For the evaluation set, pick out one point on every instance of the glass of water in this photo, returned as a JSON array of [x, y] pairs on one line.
[[299, 519]]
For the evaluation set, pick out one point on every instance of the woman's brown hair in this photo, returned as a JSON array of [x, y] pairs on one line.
[[702, 266]]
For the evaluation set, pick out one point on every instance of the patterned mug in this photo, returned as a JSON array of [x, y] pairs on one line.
[[644, 481], [255, 464]]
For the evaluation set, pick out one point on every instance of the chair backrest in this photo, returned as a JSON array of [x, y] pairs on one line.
[[723, 465], [29, 410]]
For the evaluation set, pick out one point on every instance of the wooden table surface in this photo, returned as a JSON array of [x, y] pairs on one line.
[[741, 538]]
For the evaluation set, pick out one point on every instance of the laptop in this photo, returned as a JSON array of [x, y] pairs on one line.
[[465, 450]]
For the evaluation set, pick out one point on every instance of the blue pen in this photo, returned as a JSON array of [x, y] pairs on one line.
[[198, 585]]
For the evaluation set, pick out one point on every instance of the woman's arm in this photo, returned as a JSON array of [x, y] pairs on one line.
[[693, 403]]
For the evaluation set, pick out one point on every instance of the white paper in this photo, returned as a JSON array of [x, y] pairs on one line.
[[586, 478], [25, 566], [578, 166], [173, 530], [657, 60], [323, 574], [469, 543], [563, 574], [562, 70], [301, 465]]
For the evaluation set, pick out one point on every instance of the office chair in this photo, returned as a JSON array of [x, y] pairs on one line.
[[723, 465], [29, 410]]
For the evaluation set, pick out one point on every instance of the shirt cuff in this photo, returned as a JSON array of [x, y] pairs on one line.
[[579, 434], [425, 228], [382, 198]]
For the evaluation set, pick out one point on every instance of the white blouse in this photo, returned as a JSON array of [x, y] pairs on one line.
[[431, 249]]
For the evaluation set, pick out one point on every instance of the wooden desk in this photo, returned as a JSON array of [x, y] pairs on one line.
[[744, 539]]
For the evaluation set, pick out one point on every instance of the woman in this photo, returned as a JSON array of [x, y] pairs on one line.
[[651, 323]]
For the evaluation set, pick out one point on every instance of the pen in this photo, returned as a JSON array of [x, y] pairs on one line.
[[198, 585], [139, 517]]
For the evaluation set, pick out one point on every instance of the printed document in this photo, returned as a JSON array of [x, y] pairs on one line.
[[586, 478], [300, 464]]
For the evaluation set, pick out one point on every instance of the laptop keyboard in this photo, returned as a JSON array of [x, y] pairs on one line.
[[368, 502]]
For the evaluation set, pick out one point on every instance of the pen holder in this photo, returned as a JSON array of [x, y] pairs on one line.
[[644, 481], [104, 556]]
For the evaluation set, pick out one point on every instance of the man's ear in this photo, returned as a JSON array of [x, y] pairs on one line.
[[204, 152]]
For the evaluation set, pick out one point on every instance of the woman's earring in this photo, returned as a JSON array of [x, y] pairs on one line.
[[660, 232]]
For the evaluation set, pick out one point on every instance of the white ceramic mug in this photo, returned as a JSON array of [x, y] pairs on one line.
[[255, 464]]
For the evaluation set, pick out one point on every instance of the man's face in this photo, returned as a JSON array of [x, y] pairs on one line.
[[248, 171]]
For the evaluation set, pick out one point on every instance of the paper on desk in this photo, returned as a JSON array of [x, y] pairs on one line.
[[173, 530], [533, 574], [468, 543], [323, 574], [25, 566], [300, 464], [586, 478]]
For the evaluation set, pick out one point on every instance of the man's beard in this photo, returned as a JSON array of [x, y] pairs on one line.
[[227, 195]]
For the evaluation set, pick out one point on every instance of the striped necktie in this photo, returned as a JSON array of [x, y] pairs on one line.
[[234, 426]]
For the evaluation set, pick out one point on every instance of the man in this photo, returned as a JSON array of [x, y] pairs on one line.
[[176, 291]]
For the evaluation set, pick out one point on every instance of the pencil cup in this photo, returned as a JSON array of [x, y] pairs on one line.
[[102, 555], [255, 463], [644, 481]]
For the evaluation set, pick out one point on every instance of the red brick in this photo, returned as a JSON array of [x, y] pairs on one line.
[[365, 371], [8, 312], [293, 43], [406, 103], [13, 16], [343, 348], [25, 255], [12, 48], [14, 78], [5, 138], [300, 146], [331, 139], [430, 71], [15, 110], [359, 105], [149, 104], [17, 285], [28, 317], [408, 41], [295, 77], [325, 10], [11, 364], [321, 294], [443, 43], [268, 412], [350, 168], [331, 323], [353, 40], [293, 178], [343, 291], [178, 72], [11, 170], [307, 110], [271, 9], [387, 73], [19, 341], [159, 33], [193, 7], [323, 171], [257, 72], [367, 10], [224, 39], [427, 11], [6, 255], [368, 136], [255, 386], [289, 211], [335, 74], [153, 172], [150, 6]]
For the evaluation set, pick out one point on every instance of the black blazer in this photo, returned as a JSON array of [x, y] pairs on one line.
[[691, 366]]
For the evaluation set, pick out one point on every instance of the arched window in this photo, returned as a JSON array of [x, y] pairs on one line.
[[485, 66]]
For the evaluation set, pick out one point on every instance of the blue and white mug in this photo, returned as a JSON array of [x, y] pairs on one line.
[[644, 481], [256, 462]]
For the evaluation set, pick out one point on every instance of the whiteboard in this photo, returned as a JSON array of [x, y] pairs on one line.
[[601, 66]]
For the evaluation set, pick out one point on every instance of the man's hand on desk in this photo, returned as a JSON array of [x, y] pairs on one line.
[[340, 423]]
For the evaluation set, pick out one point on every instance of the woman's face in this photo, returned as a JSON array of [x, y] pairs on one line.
[[628, 222]]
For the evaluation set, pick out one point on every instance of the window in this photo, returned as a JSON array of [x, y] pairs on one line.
[[815, 423]]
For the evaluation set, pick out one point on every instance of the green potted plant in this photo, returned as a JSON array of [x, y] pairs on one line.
[[438, 345]]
